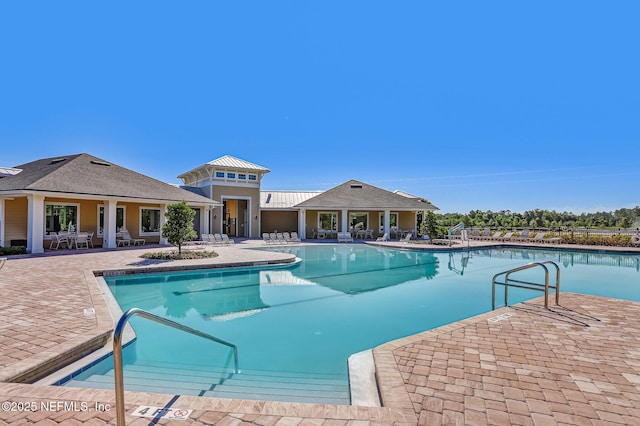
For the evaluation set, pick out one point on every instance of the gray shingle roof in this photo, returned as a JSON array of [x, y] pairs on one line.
[[354, 194], [84, 174]]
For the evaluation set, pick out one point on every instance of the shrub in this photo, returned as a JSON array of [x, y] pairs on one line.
[[175, 255], [8, 251]]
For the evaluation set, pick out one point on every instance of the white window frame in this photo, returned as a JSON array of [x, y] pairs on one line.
[[360, 214], [140, 231], [334, 214], [124, 219], [381, 220], [252, 177], [60, 203], [220, 177], [232, 175]]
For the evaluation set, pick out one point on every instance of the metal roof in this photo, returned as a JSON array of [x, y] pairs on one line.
[[284, 199], [230, 162]]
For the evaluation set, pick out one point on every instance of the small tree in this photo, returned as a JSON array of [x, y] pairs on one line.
[[429, 226], [179, 226]]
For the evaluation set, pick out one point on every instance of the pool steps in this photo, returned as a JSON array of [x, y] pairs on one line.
[[249, 384]]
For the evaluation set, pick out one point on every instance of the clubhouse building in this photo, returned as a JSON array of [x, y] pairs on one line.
[[88, 194]]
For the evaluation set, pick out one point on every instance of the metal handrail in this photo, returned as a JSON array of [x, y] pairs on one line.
[[117, 351], [454, 229], [526, 284]]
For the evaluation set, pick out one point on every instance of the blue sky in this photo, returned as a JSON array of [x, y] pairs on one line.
[[473, 105]]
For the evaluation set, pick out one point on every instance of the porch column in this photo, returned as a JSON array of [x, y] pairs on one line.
[[163, 220], [204, 220], [35, 223], [345, 221], [2, 222], [302, 224], [387, 223], [110, 228]]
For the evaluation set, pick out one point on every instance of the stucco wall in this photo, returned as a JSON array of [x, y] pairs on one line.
[[283, 221], [15, 220]]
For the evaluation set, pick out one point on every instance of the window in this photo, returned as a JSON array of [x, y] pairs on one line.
[[61, 217], [328, 221], [231, 175], [242, 176], [393, 221], [149, 220], [220, 175], [120, 219], [358, 221], [253, 177]]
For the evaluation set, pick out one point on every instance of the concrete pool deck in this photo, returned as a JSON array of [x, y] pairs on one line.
[[577, 364]]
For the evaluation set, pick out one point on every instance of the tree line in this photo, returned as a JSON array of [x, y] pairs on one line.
[[506, 219]]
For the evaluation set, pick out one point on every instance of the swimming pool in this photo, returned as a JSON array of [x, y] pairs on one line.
[[296, 326]]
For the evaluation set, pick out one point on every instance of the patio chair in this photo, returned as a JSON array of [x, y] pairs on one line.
[[280, 237], [265, 238], [58, 240], [384, 237], [226, 240], [273, 238], [81, 240], [90, 239], [286, 236], [217, 239], [345, 237]]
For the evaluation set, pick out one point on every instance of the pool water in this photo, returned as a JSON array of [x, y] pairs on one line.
[[339, 300]]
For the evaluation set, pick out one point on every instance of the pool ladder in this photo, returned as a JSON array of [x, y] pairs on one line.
[[117, 351], [510, 282]]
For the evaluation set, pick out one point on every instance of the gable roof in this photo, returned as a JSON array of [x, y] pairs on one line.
[[84, 174], [354, 194]]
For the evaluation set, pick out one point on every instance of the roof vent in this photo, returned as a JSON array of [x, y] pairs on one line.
[[100, 163], [356, 185], [57, 160]]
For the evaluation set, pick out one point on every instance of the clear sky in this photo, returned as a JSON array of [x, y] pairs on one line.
[[471, 104]]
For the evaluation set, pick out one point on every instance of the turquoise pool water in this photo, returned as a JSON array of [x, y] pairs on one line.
[[339, 300]]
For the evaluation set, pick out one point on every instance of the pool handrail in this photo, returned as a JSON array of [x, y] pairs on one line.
[[117, 351], [526, 284]]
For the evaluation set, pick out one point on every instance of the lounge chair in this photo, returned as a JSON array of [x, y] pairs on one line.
[[265, 238], [58, 240], [295, 238], [524, 236], [134, 241], [506, 237], [474, 234], [406, 238], [217, 239], [384, 237], [226, 240], [345, 237], [552, 240], [496, 236], [485, 234], [539, 237]]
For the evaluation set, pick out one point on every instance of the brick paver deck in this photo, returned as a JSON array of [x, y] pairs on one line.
[[577, 364]]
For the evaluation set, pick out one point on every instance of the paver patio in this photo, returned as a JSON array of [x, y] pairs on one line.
[[576, 364]]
